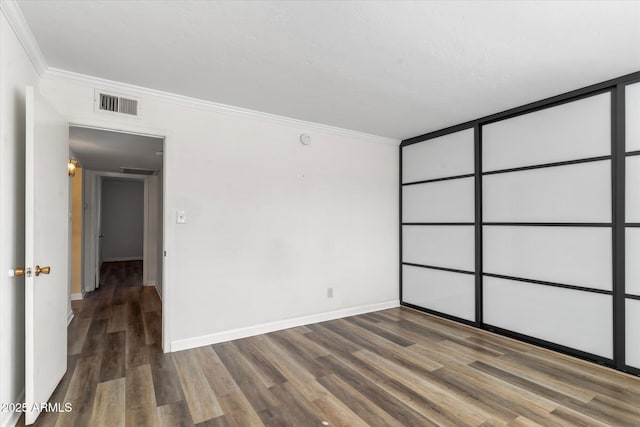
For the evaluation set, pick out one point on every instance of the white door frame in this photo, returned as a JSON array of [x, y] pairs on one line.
[[167, 229]]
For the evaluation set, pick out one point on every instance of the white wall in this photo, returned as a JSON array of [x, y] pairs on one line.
[[16, 72], [271, 224], [122, 220]]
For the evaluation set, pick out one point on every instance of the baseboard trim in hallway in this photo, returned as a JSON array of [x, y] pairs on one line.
[[124, 259], [279, 325], [155, 285]]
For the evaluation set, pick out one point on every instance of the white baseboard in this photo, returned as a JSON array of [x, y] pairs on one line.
[[155, 285], [69, 317], [265, 328], [12, 417], [124, 258], [76, 297]]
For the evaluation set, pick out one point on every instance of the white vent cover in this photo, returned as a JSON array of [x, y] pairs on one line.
[[112, 103]]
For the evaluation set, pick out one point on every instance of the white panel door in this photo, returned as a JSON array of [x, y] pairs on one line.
[[439, 246], [574, 319], [632, 124], [442, 291], [575, 130], [578, 256], [573, 193], [443, 201], [632, 189], [632, 264], [441, 157], [46, 245], [632, 333]]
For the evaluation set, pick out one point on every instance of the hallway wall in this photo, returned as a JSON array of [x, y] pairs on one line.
[[122, 220]]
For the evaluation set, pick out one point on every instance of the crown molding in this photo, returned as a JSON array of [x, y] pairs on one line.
[[16, 20], [126, 88]]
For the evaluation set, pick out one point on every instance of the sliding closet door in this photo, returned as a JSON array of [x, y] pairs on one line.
[[547, 225], [632, 229], [438, 214]]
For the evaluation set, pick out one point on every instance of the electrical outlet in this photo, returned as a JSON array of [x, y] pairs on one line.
[[329, 292]]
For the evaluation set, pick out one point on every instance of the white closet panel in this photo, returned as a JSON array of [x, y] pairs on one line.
[[576, 319], [440, 157], [632, 314], [443, 201], [632, 262], [573, 193], [442, 291], [577, 256], [632, 187], [570, 131], [440, 246], [632, 123]]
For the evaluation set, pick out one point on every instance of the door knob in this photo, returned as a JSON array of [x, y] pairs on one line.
[[17, 272], [42, 270]]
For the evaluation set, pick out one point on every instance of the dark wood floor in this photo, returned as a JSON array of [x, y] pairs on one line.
[[391, 368]]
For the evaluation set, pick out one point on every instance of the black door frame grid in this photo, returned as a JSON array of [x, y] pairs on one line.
[[616, 87]]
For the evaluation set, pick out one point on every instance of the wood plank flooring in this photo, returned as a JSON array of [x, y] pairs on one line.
[[395, 367]]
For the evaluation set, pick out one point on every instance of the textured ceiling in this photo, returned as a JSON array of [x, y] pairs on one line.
[[388, 68]]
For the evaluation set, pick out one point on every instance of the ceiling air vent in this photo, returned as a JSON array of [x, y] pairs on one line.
[[128, 106], [137, 171], [108, 103], [113, 103]]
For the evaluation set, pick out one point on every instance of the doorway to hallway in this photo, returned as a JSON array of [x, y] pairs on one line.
[[121, 242]]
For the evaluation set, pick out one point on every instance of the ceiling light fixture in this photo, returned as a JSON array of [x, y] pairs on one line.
[[72, 164]]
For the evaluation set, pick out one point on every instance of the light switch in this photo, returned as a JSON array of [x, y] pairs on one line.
[[181, 217]]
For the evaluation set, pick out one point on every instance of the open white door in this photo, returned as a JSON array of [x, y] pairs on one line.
[[46, 245]]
